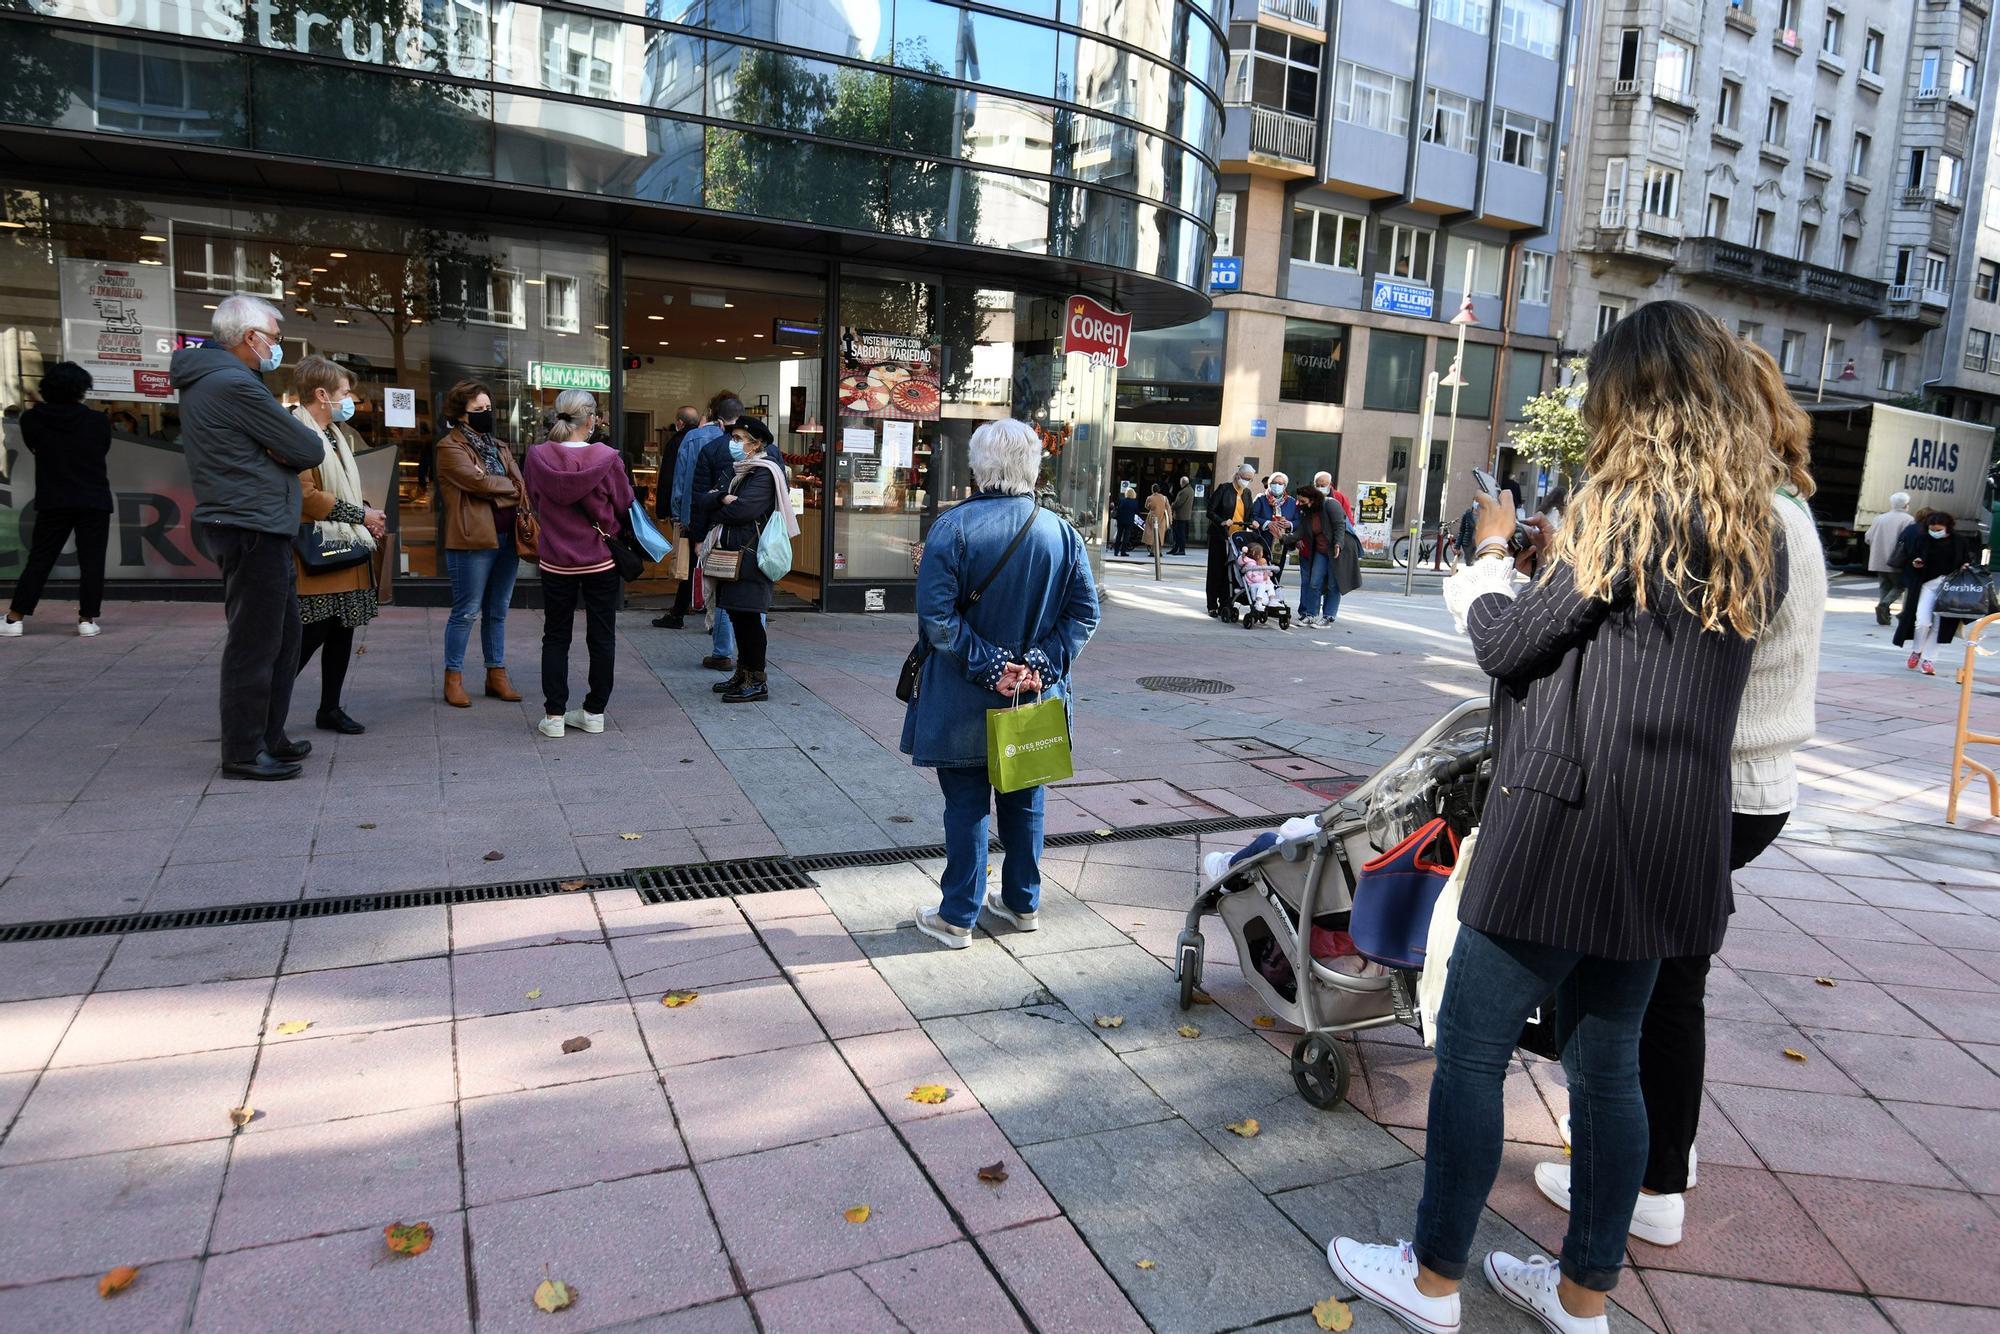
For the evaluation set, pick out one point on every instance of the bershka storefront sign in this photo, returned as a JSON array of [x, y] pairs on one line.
[[1097, 332]]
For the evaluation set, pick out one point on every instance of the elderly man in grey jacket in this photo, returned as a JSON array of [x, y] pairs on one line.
[[244, 455]]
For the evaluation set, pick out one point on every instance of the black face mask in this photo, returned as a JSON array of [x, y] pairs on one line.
[[481, 422]]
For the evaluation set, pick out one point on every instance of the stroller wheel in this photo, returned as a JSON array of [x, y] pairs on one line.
[[1319, 1068], [1187, 967]]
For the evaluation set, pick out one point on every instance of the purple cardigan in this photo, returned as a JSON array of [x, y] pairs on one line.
[[571, 487]]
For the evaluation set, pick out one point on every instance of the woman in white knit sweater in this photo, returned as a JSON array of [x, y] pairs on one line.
[[1775, 719]]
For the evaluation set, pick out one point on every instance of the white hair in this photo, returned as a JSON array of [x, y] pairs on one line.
[[1278, 477], [1246, 469], [572, 408], [1323, 480], [1900, 501], [1006, 456], [236, 316]]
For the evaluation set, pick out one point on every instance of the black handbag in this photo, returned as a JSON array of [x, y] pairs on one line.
[[913, 665], [1967, 594], [626, 557], [320, 554]]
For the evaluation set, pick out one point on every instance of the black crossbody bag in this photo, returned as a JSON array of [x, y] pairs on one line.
[[913, 665]]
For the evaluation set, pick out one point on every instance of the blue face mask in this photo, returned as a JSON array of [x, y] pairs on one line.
[[1277, 488], [736, 450], [344, 410], [275, 359]]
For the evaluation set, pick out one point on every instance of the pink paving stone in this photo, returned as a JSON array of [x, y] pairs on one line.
[[1909, 1241], [30, 1030], [731, 1316], [745, 1104], [331, 1078], [1965, 1016], [1839, 861], [631, 1248], [707, 956], [1856, 920], [953, 1149], [111, 1209], [948, 1288], [34, 968], [1958, 930], [1058, 1282], [851, 999], [1828, 1135], [13, 1092], [1742, 1223], [164, 1021], [1698, 1304], [832, 1302], [337, 1175], [360, 1000], [130, 1105], [1754, 1054], [804, 942], [625, 913], [547, 1139], [158, 1299], [1716, 1141], [1913, 965], [515, 922], [782, 1212], [505, 1053], [1937, 1318], [733, 1020], [197, 954], [1912, 1069], [1781, 884], [1968, 1141], [1985, 962], [498, 981], [1909, 895], [326, 1285], [1859, 1007], [891, 1064], [783, 903]]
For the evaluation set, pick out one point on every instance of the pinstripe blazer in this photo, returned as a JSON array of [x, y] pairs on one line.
[[1607, 827]]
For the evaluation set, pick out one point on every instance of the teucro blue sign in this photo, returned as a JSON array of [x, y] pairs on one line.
[[1260, 427], [1225, 273], [1392, 296]]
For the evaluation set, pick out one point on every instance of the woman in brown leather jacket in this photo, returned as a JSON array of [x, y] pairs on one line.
[[487, 530]]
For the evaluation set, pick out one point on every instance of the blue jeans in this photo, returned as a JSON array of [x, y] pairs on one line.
[[967, 797], [722, 639], [482, 584], [1319, 595], [1494, 985]]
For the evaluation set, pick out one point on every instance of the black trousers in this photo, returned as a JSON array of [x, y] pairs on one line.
[[1218, 568], [753, 639], [52, 532], [1673, 1045], [601, 594], [1180, 531], [338, 641], [260, 658]]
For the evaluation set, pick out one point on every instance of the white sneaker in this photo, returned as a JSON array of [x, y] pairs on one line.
[[13, 629], [1022, 921], [1387, 1277], [593, 723], [943, 932], [1214, 866], [1694, 1156], [1655, 1218], [1531, 1285], [88, 628], [550, 726]]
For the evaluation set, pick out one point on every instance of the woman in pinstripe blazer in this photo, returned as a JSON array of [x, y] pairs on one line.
[[1604, 845]]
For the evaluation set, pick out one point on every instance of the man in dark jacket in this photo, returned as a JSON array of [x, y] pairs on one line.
[[1183, 515], [1228, 511], [685, 421], [244, 455]]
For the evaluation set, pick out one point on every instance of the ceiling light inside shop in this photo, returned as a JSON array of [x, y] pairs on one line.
[[305, 282], [709, 300], [319, 268], [298, 310], [664, 343], [156, 240], [601, 328], [533, 282], [722, 340], [743, 358], [656, 317], [416, 321], [154, 262], [208, 307], [340, 321], [756, 335], [337, 254], [8, 224]]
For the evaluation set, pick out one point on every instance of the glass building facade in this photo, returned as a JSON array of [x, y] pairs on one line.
[[658, 201]]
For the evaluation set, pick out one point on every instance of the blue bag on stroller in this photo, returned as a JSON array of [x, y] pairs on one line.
[[1396, 893]]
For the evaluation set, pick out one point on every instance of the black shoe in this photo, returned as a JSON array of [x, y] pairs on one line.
[[669, 621], [724, 687], [263, 769], [291, 750], [752, 690], [336, 720], [1881, 615], [719, 664]]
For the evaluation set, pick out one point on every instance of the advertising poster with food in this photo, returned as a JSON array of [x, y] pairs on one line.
[[889, 375], [1374, 514], [117, 324]]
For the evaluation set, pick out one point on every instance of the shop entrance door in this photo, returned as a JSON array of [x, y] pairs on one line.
[[693, 333]]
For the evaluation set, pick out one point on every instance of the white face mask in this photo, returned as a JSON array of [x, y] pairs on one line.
[[1937, 532]]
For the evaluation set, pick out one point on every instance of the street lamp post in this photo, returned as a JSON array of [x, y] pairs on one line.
[[1454, 381], [1424, 426]]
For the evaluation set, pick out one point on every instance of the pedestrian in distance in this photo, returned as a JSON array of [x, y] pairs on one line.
[[1275, 512], [756, 491], [1324, 482], [1183, 516], [488, 530], [709, 474], [1556, 501], [1325, 540], [1883, 534], [244, 455], [1604, 845], [70, 442], [1005, 604], [1931, 550], [1159, 519], [685, 423], [580, 496], [1228, 513], [333, 603], [1125, 521]]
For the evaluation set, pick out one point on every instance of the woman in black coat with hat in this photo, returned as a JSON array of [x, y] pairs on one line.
[[742, 509]]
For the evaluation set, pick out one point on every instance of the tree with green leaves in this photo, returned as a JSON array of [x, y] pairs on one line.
[[1552, 433]]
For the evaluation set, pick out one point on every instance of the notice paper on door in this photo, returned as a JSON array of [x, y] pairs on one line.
[[399, 409], [898, 443], [857, 440]]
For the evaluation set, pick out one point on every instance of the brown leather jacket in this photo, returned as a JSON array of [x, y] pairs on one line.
[[467, 494]]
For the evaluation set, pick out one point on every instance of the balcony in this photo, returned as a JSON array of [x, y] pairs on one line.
[[1786, 40], [1741, 266], [1914, 196], [1282, 137], [1739, 20], [1929, 96], [1868, 81], [1650, 240], [1909, 307], [1727, 135], [1776, 154], [1305, 13], [1816, 167], [1625, 88], [1858, 183]]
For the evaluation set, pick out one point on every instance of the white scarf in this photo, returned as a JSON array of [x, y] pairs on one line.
[[777, 480], [340, 478]]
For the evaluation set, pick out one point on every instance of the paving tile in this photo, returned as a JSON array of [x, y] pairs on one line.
[[625, 913], [1028, 1066], [31, 1030], [731, 1316], [781, 1212], [1743, 1223], [803, 942], [1829, 1135], [337, 875], [1729, 996], [1057, 1281], [129, 1105], [1966, 1016], [1699, 1304], [1985, 962], [1768, 883], [363, 999], [214, 884], [876, 898], [1126, 981], [1162, 1193], [946, 1288], [732, 1020], [1955, 930], [890, 1065], [329, 1078], [953, 1148], [91, 1214], [364, 938], [1754, 1054], [335, 1176], [1841, 861], [315, 1286], [780, 904], [498, 981], [746, 1104], [515, 922], [1858, 1007], [834, 1301], [198, 954], [934, 981], [585, 1237], [505, 1053], [160, 1298], [1967, 1141], [852, 999], [1909, 1241], [1844, 919], [1908, 895], [1912, 1069], [1915, 965], [1937, 1318], [707, 956], [164, 1021], [35, 969], [1065, 923], [1399, 1083], [545, 1139]]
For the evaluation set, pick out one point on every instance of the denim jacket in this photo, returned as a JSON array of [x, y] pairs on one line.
[[1041, 610]]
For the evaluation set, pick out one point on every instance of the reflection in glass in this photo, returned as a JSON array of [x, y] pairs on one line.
[[1013, 213], [674, 72], [859, 31], [784, 92], [382, 120], [789, 178], [595, 150], [75, 81]]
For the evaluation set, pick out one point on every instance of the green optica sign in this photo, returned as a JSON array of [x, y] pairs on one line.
[[551, 375]]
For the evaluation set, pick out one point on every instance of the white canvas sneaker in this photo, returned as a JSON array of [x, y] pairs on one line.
[[550, 726], [13, 629], [88, 628], [1531, 1285], [1655, 1218], [592, 723], [1386, 1276], [943, 932], [1022, 921]]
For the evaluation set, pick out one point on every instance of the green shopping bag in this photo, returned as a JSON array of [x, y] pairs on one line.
[[1028, 745]]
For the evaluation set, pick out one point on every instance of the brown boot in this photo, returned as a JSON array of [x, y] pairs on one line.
[[498, 686], [454, 690]]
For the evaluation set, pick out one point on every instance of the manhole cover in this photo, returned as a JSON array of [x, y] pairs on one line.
[[1186, 685]]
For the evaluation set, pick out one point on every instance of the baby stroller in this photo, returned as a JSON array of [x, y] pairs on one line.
[[1292, 889], [1253, 616]]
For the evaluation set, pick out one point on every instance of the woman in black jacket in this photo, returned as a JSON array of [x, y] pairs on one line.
[[752, 496], [72, 495], [1604, 844], [1935, 550]]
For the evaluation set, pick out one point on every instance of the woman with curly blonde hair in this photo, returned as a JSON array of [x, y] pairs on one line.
[[1604, 844]]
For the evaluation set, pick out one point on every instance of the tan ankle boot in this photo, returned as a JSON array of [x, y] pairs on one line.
[[498, 686], [454, 690]]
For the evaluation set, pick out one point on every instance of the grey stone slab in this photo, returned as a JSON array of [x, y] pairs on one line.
[[1139, 886], [1126, 980], [876, 898], [1223, 1256], [364, 938], [934, 981], [1066, 923], [1041, 1076], [33, 969]]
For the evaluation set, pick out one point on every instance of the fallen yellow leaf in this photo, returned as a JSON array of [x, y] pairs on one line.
[[858, 1214], [1188, 1031], [536, 994], [1202, 997], [572, 884], [1144, 1264], [1264, 1021], [242, 1116], [1110, 1021], [1247, 1127], [928, 1093], [553, 1295], [1102, 833], [291, 1026], [408, 1238], [1333, 1314], [116, 1281], [1826, 981], [1794, 1054], [673, 1000], [631, 838]]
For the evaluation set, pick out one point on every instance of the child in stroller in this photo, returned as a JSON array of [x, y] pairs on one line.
[[1253, 582]]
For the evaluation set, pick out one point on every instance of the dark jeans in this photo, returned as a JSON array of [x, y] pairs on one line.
[[968, 797], [1493, 986], [260, 658], [600, 594], [1219, 596], [1319, 593], [1180, 530], [338, 641], [52, 532], [684, 594], [1673, 1046], [752, 638]]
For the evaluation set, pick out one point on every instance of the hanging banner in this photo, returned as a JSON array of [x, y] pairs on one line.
[[889, 375], [118, 325], [1096, 331], [1374, 515]]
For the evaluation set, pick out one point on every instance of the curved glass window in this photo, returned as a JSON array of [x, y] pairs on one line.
[[784, 92], [789, 178], [596, 150], [857, 31], [78, 81], [384, 120]]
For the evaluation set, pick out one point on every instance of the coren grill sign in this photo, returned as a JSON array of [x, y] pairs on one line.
[[1096, 331]]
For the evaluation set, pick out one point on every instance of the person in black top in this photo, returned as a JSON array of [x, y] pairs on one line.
[[685, 420], [1228, 512], [72, 495], [1930, 549]]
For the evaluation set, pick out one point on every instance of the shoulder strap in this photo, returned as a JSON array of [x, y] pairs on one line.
[[971, 600]]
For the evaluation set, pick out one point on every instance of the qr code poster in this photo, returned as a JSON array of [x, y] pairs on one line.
[[399, 408]]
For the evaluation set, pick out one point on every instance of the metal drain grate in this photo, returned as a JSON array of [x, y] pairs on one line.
[[716, 880], [1186, 685]]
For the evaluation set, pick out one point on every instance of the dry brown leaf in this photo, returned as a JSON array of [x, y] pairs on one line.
[[116, 1281], [242, 1116], [360, 650], [494, 857], [573, 885], [631, 838], [408, 1238], [994, 1172], [1202, 997], [1826, 981], [1247, 1127], [1188, 1031], [858, 1214], [1794, 1054], [1144, 1264], [928, 1093], [673, 1000], [1333, 1314], [367, 825], [1264, 1021], [291, 1026], [1111, 1021], [573, 1045], [553, 1295], [536, 994]]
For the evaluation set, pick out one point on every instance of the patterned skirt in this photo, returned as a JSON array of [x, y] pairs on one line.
[[353, 609]]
